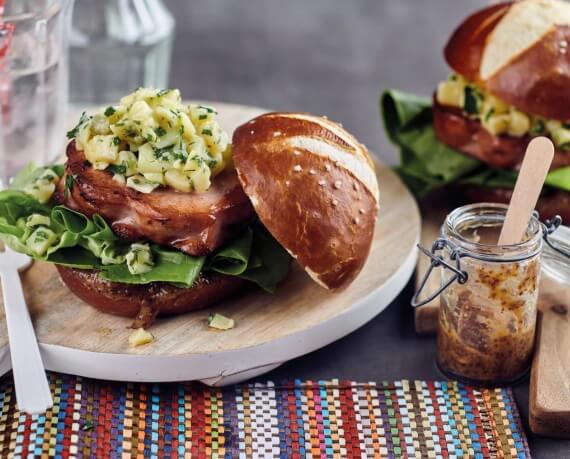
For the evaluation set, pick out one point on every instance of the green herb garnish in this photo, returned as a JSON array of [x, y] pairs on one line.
[[538, 127], [170, 154], [116, 141], [82, 120], [203, 117], [68, 185], [207, 132], [473, 100], [117, 169], [163, 92], [109, 111], [160, 131]]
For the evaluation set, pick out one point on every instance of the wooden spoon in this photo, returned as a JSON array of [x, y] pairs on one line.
[[534, 169]]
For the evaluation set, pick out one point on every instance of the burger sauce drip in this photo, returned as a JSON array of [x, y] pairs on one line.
[[145, 317]]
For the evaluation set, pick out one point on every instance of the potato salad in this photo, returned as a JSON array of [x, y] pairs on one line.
[[151, 139], [496, 116]]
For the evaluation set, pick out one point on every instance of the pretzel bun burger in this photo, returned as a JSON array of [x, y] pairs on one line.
[[314, 187], [155, 212], [511, 81]]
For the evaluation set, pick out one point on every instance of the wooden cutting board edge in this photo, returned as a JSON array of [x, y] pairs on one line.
[[549, 398]]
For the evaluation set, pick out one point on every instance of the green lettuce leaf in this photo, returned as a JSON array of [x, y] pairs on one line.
[[559, 178], [427, 164], [30, 172], [491, 178], [89, 243], [268, 262], [171, 266], [233, 259]]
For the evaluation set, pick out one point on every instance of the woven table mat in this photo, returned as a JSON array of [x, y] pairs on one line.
[[298, 419]]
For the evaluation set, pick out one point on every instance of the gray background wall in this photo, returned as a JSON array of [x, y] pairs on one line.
[[328, 57]]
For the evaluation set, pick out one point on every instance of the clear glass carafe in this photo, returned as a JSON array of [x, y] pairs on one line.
[[33, 82], [117, 46]]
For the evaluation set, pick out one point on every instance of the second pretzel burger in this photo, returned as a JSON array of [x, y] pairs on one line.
[[511, 82]]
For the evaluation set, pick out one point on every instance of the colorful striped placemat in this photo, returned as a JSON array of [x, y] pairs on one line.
[[318, 419]]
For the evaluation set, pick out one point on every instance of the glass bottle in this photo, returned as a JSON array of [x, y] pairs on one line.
[[117, 46]]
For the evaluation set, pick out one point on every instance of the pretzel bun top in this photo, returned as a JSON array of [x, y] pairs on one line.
[[314, 187], [520, 53]]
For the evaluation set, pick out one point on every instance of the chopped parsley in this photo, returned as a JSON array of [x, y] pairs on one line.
[[538, 127], [208, 109], [163, 92], [489, 114], [68, 185], [41, 235], [203, 117], [170, 154], [160, 131], [117, 169], [207, 132], [473, 100], [116, 141], [109, 111], [82, 120]]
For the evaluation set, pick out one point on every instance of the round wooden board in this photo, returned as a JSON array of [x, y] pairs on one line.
[[270, 329]]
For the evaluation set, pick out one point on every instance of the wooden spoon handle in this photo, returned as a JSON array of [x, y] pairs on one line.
[[534, 169]]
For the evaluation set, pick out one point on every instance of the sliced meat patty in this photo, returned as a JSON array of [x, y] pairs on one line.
[[195, 223], [457, 131]]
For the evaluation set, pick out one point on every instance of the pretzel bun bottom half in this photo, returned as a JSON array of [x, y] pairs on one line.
[[314, 187], [166, 299]]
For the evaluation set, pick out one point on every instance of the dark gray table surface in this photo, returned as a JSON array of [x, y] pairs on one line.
[[331, 57]]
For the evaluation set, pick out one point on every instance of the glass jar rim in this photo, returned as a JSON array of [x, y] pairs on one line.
[[527, 248]]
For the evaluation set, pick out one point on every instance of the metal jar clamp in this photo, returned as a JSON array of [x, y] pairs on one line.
[[457, 254]]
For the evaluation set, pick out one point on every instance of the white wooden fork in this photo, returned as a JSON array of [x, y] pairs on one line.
[[33, 394]]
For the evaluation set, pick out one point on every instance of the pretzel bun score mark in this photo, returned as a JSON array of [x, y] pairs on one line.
[[314, 187]]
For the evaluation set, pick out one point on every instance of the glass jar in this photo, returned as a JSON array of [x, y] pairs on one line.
[[489, 295], [487, 324], [117, 46]]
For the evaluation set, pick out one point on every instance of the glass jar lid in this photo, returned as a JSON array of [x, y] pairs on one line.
[[554, 259]]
